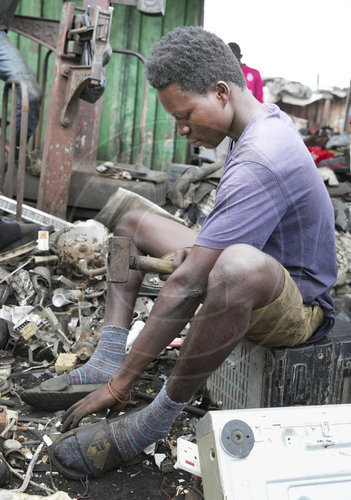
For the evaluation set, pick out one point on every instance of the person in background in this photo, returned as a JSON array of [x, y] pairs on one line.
[[252, 76], [14, 234], [12, 65]]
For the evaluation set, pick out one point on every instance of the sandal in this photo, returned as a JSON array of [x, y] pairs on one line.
[[57, 393], [94, 443]]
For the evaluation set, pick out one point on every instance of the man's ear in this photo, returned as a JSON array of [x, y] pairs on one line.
[[222, 91]]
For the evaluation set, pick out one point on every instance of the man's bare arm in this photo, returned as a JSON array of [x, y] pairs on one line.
[[174, 307]]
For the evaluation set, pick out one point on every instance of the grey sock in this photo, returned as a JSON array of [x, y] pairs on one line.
[[131, 434], [140, 429], [107, 358]]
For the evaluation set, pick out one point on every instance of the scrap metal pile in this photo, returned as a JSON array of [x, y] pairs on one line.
[[52, 301], [52, 309]]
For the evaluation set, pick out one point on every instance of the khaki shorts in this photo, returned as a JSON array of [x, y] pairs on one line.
[[285, 322]]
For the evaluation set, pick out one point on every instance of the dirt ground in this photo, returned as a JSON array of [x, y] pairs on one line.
[[143, 480]]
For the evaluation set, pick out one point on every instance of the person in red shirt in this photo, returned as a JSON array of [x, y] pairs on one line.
[[252, 76]]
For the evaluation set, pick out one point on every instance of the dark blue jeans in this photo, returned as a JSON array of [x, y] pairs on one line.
[[9, 231], [12, 65]]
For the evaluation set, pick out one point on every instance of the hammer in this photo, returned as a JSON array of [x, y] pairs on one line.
[[120, 261]]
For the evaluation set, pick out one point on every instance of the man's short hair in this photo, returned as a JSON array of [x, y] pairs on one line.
[[194, 59]]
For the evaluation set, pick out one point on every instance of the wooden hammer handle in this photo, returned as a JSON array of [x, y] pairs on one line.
[[151, 264]]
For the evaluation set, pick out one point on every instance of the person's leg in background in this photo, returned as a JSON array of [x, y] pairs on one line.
[[13, 234], [9, 231], [12, 65]]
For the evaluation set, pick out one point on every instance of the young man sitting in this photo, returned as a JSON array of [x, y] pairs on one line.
[[262, 265]]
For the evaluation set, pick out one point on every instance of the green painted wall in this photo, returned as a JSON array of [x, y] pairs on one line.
[[122, 101]]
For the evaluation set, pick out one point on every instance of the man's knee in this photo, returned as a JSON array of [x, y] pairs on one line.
[[244, 274], [237, 264], [128, 222]]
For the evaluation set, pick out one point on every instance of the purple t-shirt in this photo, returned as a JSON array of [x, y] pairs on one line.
[[271, 196]]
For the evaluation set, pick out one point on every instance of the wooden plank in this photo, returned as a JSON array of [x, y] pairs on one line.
[[140, 83], [192, 8], [151, 32], [129, 84], [110, 142], [165, 127]]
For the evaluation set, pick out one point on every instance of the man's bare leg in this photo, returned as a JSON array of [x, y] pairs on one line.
[[243, 279]]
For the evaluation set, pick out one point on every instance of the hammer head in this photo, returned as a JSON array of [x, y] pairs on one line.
[[118, 259]]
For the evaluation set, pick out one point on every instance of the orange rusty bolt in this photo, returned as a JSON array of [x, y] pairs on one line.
[[65, 70]]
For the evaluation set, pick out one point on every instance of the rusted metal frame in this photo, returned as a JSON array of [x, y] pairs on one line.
[[8, 179], [88, 128], [59, 140], [22, 149], [3, 139], [40, 30], [24, 106], [78, 78], [38, 132], [62, 122], [101, 32], [141, 147], [45, 32]]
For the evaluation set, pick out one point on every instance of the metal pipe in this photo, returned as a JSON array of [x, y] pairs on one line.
[[22, 148], [3, 140], [83, 267], [38, 132], [29, 471], [8, 428], [130, 53], [21, 476], [24, 106], [8, 177]]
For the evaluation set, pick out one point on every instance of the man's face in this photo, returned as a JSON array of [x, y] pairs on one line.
[[203, 119]]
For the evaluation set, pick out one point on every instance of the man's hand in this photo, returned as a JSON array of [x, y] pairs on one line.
[[180, 256], [177, 258], [98, 400]]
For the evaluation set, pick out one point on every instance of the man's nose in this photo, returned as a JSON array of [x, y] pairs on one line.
[[183, 129]]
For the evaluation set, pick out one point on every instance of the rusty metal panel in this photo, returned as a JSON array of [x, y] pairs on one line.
[[321, 113]]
